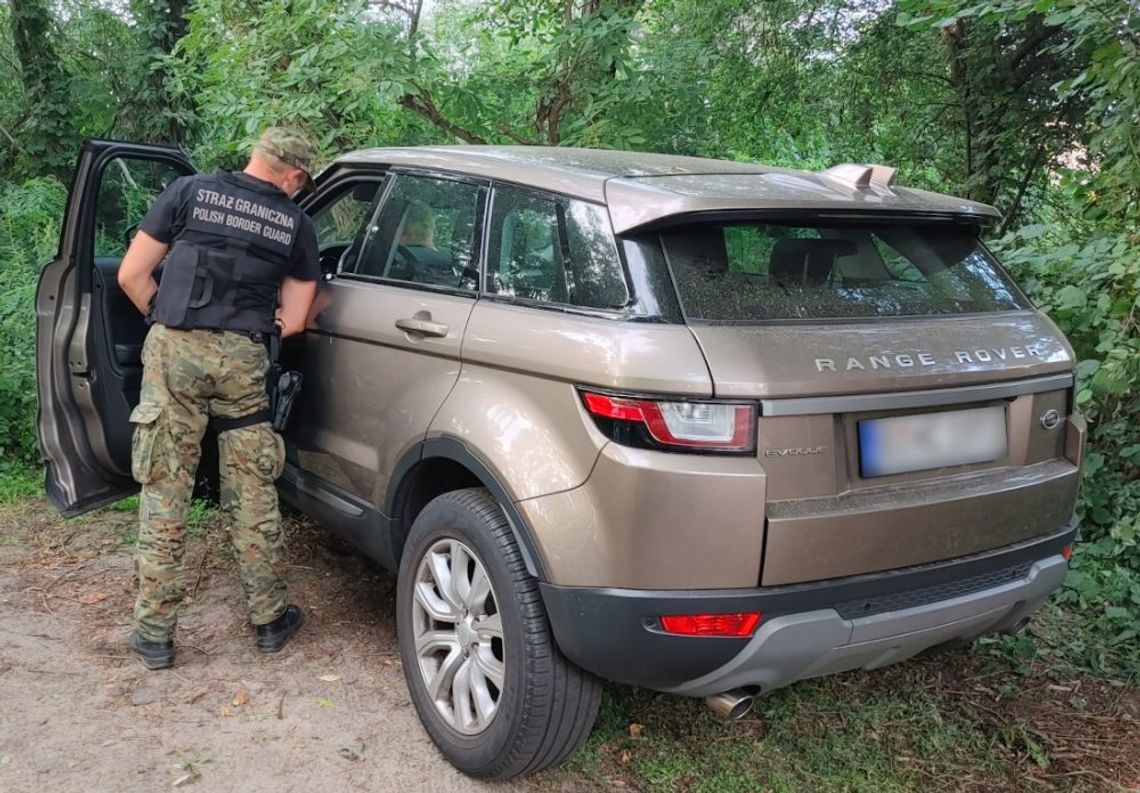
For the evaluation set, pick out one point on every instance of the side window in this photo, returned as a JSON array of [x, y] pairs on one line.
[[552, 249], [424, 233], [338, 222], [127, 188], [525, 257]]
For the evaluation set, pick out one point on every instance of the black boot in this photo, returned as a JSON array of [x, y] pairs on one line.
[[272, 636], [154, 655]]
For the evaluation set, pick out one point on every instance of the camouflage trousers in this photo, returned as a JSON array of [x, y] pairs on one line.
[[189, 376]]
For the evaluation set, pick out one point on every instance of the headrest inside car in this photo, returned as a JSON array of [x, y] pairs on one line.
[[701, 247], [797, 262]]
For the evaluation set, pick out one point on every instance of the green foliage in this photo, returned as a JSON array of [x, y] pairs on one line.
[[29, 234], [331, 69], [19, 482]]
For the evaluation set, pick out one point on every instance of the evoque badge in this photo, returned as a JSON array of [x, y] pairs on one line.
[[1050, 419]]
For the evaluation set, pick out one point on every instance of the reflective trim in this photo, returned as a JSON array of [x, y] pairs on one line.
[[807, 406]]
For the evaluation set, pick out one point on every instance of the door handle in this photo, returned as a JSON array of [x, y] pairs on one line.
[[424, 327]]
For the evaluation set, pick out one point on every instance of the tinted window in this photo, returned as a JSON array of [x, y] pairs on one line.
[[424, 233], [338, 223], [553, 250], [742, 272]]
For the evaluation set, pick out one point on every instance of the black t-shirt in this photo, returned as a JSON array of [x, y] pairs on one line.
[[167, 218]]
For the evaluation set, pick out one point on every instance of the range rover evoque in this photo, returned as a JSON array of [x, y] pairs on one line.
[[706, 427]]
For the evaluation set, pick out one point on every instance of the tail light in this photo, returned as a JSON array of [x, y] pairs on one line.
[[674, 425], [740, 625]]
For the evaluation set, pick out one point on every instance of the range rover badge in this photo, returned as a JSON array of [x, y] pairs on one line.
[[1050, 419]]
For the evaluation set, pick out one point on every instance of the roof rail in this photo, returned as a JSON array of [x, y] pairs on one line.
[[862, 175]]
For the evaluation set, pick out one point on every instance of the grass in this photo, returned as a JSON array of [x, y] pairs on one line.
[[19, 483], [835, 734]]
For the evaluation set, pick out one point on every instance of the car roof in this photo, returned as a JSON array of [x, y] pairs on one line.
[[643, 189]]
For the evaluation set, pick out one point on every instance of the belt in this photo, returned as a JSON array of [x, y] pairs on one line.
[[221, 425]]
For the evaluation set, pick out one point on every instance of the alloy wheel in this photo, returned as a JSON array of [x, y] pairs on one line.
[[458, 634]]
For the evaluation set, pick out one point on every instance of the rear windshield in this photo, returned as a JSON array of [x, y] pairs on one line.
[[742, 272]]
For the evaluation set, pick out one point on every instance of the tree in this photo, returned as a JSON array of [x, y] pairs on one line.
[[156, 113], [542, 72], [1015, 124], [46, 133]]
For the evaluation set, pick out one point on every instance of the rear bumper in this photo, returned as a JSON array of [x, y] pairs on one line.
[[807, 630]]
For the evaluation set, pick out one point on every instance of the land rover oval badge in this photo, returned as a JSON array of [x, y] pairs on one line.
[[1050, 419]]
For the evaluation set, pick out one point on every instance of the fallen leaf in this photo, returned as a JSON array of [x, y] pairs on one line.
[[225, 711], [187, 777], [329, 678], [5, 759], [636, 730], [625, 758], [325, 703], [348, 754], [92, 598], [240, 698]]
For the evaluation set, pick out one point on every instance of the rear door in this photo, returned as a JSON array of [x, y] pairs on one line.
[[913, 407], [88, 334]]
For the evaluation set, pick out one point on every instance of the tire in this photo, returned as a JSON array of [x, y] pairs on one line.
[[545, 707]]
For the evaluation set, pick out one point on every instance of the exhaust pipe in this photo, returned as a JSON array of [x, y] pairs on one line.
[[1018, 627], [733, 704]]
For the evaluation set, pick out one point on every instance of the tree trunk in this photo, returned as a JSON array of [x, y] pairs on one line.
[[47, 134], [158, 116]]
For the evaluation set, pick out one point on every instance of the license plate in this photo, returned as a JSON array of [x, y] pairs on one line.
[[931, 440]]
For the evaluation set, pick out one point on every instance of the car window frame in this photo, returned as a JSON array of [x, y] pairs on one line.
[[628, 313], [334, 191], [478, 246]]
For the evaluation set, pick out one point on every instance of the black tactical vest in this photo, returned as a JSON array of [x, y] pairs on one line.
[[226, 265]]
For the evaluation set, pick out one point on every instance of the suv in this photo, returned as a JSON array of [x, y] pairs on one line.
[[706, 427]]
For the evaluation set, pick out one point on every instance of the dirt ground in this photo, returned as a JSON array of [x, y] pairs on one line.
[[331, 712]]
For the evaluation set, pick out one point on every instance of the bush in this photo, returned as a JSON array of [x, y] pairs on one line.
[[1088, 280], [29, 232]]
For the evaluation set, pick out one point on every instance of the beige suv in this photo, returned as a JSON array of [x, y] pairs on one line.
[[706, 427]]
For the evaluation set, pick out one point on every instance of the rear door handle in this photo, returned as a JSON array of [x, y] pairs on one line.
[[424, 327]]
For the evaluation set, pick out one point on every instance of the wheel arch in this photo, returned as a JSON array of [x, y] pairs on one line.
[[441, 465]]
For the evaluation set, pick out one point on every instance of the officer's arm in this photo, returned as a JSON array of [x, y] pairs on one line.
[[136, 272], [296, 299]]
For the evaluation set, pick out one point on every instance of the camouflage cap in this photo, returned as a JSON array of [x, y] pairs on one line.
[[290, 146]]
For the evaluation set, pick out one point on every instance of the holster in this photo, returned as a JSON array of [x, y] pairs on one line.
[[282, 384]]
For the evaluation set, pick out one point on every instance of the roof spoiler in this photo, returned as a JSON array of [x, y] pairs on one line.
[[863, 175]]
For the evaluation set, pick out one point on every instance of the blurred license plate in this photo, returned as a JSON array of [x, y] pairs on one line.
[[931, 440]]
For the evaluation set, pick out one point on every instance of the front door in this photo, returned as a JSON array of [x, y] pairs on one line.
[[382, 351], [88, 334]]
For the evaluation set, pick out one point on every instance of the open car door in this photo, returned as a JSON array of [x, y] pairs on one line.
[[89, 335]]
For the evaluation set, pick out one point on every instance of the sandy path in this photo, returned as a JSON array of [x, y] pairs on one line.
[[78, 714]]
